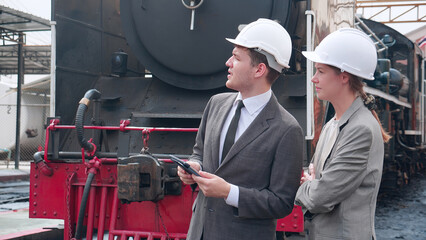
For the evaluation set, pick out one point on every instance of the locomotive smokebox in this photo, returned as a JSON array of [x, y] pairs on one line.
[[159, 33]]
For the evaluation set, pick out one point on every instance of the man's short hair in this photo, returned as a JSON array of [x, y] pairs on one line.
[[258, 58]]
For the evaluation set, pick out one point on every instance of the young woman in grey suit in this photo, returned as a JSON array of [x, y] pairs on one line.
[[339, 194]]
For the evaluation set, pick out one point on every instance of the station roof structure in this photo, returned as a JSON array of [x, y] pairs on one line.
[[13, 25], [36, 59], [393, 11]]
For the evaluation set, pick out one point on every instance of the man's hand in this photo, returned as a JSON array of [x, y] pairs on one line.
[[308, 176], [212, 185], [186, 177]]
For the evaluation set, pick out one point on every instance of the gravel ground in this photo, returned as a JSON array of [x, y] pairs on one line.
[[402, 214]]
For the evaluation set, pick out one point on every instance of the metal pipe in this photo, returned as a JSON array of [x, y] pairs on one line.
[[127, 128], [43, 167], [102, 211], [52, 69], [91, 217], [18, 99], [114, 210], [422, 101], [310, 126], [192, 16], [124, 237], [110, 157], [80, 190]]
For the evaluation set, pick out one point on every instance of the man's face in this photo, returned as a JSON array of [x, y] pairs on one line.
[[328, 83], [241, 72]]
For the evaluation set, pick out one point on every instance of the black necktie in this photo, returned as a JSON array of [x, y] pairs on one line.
[[232, 130]]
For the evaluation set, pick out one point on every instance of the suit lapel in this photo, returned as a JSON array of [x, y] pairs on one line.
[[257, 127], [355, 106], [220, 120]]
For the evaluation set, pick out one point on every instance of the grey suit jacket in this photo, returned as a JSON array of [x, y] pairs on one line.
[[343, 197], [265, 163]]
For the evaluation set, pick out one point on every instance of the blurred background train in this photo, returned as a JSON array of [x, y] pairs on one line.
[[154, 65]]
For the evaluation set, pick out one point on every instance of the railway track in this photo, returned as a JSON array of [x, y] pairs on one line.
[[14, 195]]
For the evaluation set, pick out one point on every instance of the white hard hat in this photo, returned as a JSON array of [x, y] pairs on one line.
[[269, 38], [349, 49]]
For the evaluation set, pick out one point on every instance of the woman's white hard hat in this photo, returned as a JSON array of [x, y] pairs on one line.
[[349, 49], [269, 38]]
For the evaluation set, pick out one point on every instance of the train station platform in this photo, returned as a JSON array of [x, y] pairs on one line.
[[9, 173], [14, 207], [17, 225]]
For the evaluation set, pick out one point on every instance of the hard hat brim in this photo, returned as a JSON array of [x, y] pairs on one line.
[[312, 56], [235, 42]]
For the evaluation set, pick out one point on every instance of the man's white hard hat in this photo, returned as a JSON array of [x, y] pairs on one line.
[[269, 38], [349, 49]]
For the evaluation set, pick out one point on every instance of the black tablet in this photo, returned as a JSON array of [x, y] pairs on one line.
[[184, 165]]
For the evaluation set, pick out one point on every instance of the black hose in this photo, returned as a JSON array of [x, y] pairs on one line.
[[41, 164], [79, 118], [81, 213]]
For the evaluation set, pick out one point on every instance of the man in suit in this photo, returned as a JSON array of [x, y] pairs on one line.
[[248, 146]]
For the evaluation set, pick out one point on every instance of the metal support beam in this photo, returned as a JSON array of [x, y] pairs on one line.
[[18, 100], [393, 6], [36, 58], [422, 103], [9, 37], [53, 69]]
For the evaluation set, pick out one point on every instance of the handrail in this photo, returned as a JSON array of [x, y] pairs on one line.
[[310, 120]]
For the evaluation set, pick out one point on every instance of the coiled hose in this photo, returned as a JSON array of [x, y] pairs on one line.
[[79, 118]]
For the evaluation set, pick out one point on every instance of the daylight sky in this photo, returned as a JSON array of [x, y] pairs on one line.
[[41, 8]]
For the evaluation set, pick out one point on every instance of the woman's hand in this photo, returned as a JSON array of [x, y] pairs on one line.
[[308, 176]]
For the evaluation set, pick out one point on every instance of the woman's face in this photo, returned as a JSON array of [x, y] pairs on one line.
[[328, 82]]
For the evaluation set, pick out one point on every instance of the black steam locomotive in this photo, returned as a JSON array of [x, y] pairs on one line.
[[156, 63]]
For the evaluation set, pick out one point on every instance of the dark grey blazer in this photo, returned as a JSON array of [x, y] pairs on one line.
[[343, 197], [265, 163]]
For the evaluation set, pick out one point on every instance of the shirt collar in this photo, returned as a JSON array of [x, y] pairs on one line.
[[253, 104]]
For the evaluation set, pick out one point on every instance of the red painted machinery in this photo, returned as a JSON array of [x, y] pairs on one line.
[[126, 195]]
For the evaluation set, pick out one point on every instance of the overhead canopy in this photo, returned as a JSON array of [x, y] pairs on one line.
[[12, 24], [36, 59], [40, 86], [18, 21]]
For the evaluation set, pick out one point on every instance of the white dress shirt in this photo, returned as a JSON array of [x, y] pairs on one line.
[[252, 107], [327, 139]]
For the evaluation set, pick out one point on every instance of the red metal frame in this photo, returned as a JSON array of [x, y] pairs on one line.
[[168, 218]]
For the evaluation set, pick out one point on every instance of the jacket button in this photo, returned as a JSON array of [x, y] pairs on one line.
[[211, 210]]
